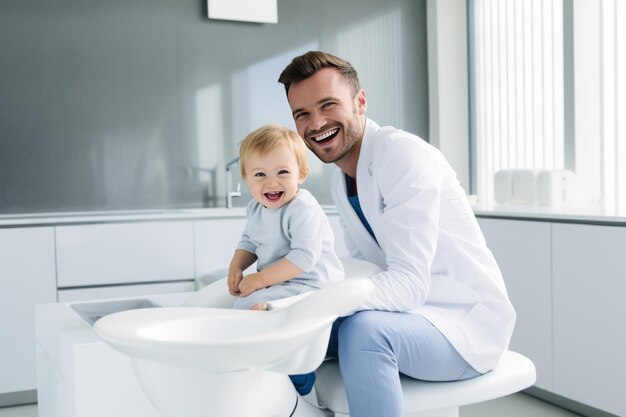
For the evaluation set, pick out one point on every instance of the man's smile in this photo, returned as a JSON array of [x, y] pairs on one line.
[[326, 136]]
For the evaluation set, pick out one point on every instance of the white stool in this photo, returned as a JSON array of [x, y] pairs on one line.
[[436, 399]]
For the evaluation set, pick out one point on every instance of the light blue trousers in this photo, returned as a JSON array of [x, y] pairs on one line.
[[373, 347]]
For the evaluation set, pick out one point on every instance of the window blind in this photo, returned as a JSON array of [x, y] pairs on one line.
[[518, 58]]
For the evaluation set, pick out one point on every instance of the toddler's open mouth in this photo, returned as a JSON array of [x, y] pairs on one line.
[[274, 195]]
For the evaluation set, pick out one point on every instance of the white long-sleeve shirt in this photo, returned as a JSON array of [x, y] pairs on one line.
[[298, 231]]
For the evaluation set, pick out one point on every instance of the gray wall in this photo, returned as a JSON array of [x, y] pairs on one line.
[[137, 104]]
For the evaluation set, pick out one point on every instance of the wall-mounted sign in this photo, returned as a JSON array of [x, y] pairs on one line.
[[261, 11]]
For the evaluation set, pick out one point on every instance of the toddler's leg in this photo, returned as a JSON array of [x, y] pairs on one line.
[[275, 292], [259, 296], [303, 383]]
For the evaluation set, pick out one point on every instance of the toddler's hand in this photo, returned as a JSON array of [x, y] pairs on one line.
[[234, 278], [249, 284]]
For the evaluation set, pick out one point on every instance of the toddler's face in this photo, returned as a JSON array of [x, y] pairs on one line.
[[273, 178]]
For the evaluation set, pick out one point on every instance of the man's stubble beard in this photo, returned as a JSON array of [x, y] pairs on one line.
[[351, 135]]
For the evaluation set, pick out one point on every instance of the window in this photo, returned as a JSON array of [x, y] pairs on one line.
[[549, 94]]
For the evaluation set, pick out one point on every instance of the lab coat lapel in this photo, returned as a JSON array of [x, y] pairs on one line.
[[365, 181], [367, 188], [368, 197], [359, 236]]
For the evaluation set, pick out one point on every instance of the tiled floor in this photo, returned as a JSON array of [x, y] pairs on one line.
[[517, 405]]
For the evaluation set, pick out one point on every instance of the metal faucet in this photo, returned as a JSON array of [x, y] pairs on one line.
[[230, 194]]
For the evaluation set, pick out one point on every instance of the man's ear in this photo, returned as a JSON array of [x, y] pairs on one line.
[[361, 101]]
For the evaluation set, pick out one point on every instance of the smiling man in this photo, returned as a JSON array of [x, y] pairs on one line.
[[440, 310]]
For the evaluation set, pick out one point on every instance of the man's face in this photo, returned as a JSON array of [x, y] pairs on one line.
[[328, 116]]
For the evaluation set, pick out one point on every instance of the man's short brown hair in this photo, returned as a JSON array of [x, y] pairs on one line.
[[303, 66]]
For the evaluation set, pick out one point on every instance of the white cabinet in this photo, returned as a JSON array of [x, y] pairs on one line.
[[522, 249], [94, 261], [589, 278], [215, 242], [567, 283], [106, 254], [27, 277]]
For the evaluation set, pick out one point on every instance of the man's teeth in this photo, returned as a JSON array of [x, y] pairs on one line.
[[325, 135]]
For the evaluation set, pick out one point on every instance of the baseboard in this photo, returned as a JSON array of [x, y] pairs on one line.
[[566, 403], [11, 399], [30, 397]]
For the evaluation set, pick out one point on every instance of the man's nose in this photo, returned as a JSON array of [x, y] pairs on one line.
[[318, 121]]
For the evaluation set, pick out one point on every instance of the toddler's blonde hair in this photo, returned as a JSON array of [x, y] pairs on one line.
[[269, 137]]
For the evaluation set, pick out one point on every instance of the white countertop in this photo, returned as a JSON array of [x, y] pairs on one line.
[[544, 213], [575, 215], [113, 216]]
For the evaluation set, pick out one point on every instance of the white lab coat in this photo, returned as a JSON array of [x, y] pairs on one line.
[[434, 258]]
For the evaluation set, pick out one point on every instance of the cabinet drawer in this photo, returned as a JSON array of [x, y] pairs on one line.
[[124, 253]]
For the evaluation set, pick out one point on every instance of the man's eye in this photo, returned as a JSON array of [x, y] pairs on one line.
[[327, 105], [299, 116]]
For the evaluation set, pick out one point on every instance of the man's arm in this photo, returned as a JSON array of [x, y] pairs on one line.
[[409, 179]]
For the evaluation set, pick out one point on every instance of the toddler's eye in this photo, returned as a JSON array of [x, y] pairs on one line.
[[283, 171], [259, 174]]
